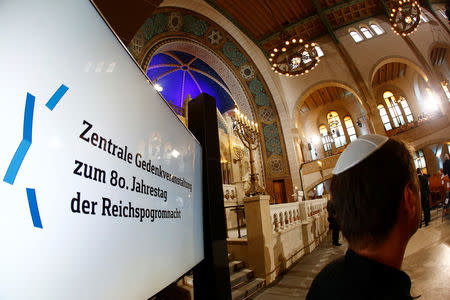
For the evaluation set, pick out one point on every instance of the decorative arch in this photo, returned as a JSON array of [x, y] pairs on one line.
[[193, 47], [399, 59], [308, 91], [168, 23], [442, 52], [436, 44], [387, 87], [323, 113], [432, 142]]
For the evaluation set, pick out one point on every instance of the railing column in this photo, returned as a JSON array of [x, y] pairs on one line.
[[259, 235]]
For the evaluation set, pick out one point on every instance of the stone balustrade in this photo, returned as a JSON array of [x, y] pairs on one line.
[[283, 215], [312, 207], [278, 235]]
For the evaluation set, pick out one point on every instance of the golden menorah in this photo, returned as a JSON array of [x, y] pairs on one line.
[[248, 133]]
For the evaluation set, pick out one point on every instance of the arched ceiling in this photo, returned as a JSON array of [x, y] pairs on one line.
[[437, 56], [389, 71], [261, 20], [187, 74], [323, 96]]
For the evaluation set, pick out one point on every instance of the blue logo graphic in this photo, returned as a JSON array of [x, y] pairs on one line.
[[25, 144]]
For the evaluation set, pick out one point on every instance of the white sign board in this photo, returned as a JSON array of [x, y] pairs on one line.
[[101, 190]]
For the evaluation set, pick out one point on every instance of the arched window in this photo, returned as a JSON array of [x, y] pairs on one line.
[[394, 109], [350, 128], [356, 36], [366, 32], [384, 117], [446, 90], [376, 28], [337, 131], [326, 140], [419, 160], [406, 110]]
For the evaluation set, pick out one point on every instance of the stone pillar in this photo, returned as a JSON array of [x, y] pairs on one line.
[[307, 235], [259, 235]]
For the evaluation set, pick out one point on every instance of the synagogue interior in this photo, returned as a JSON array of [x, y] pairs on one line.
[[295, 82]]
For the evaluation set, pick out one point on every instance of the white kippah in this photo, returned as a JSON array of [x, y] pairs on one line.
[[359, 150]]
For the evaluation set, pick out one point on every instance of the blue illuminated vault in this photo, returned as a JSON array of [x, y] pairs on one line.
[[182, 74]]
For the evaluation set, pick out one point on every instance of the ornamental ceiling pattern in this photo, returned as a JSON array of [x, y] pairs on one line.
[[169, 23], [263, 20]]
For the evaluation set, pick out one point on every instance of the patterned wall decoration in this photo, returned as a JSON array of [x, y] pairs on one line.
[[266, 114], [174, 22], [154, 25]]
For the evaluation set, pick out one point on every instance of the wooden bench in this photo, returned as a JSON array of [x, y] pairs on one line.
[[439, 187]]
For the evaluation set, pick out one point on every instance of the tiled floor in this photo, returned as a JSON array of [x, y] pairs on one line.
[[427, 261]]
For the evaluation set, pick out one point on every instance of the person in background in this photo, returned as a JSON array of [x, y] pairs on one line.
[[446, 172], [376, 196], [332, 223], [446, 165], [424, 196]]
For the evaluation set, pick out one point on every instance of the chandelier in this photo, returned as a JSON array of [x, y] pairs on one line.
[[405, 17], [293, 57]]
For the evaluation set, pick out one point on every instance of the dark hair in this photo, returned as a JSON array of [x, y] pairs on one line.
[[367, 196]]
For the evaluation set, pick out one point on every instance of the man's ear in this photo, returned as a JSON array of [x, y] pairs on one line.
[[411, 203]]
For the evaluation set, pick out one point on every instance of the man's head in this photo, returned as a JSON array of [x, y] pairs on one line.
[[445, 156], [370, 196]]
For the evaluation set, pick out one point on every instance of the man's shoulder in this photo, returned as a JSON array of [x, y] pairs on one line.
[[334, 269], [329, 281], [356, 277]]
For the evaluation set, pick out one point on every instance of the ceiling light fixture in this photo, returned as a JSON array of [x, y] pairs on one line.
[[294, 57], [405, 17]]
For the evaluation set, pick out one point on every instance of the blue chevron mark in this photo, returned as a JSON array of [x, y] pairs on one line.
[[56, 97], [25, 144], [34, 210]]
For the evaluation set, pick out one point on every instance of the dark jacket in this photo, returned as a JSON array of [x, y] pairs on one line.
[[424, 189], [354, 277], [446, 167], [332, 215]]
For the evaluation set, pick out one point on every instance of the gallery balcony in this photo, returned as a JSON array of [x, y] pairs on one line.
[[420, 128]]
